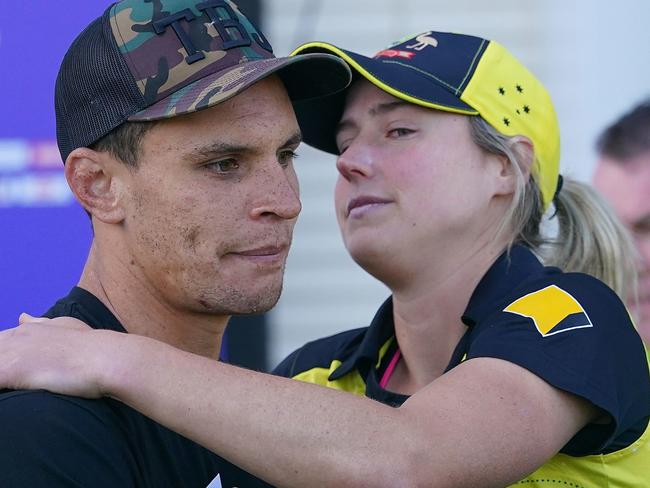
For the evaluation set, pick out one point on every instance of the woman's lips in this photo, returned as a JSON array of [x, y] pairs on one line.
[[360, 205]]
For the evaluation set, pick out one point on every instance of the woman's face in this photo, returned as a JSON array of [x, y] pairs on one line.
[[413, 186]]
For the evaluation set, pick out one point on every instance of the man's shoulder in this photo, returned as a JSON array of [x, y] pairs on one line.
[[24, 411], [83, 305], [56, 440], [14, 398], [321, 352]]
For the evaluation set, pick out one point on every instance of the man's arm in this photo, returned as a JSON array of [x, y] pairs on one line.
[[52, 441], [486, 423]]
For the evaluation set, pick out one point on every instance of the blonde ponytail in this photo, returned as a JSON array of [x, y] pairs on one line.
[[589, 237]]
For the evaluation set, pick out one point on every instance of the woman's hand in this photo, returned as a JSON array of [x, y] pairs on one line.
[[58, 355]]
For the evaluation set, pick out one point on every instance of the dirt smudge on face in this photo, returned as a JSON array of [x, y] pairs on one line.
[[191, 236]]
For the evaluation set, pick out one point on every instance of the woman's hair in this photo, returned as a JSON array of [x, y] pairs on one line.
[[588, 237]]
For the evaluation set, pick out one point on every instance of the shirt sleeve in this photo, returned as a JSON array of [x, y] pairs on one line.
[[53, 441], [575, 333]]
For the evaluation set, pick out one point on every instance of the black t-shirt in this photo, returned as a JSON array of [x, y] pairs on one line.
[[49, 440]]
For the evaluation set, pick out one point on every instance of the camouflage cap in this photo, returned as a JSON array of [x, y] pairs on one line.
[[153, 59]]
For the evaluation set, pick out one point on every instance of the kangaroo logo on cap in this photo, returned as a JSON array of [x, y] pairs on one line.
[[424, 40]]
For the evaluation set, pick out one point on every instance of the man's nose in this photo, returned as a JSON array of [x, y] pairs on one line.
[[279, 194]]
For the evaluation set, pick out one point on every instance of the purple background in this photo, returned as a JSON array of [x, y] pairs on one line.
[[42, 249], [44, 234]]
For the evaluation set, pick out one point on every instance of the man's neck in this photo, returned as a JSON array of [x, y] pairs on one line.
[[143, 311]]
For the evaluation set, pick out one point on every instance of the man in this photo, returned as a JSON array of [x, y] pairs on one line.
[[623, 176], [175, 123]]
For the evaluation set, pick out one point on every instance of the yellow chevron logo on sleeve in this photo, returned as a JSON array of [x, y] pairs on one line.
[[552, 310]]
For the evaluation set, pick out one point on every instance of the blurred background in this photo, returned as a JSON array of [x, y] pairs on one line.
[[592, 55]]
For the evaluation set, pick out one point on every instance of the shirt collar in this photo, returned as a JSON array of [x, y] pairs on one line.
[[512, 268], [508, 272], [380, 330]]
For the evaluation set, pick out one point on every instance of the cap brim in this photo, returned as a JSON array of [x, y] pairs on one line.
[[318, 118], [305, 77]]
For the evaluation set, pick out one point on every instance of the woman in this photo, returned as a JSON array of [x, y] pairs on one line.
[[503, 371]]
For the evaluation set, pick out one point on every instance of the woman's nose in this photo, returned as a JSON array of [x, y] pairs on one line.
[[356, 161]]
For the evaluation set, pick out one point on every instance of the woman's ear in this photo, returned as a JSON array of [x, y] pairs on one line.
[[523, 149], [96, 179]]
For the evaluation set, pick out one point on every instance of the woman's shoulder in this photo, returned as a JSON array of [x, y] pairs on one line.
[[557, 302], [573, 331]]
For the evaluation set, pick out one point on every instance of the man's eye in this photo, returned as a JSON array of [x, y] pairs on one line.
[[641, 229], [286, 157], [224, 166], [400, 132]]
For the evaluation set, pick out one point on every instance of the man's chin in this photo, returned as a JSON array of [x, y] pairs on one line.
[[243, 302], [256, 308]]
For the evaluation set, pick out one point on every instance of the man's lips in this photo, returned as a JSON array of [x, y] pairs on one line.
[[266, 254], [263, 251], [365, 201]]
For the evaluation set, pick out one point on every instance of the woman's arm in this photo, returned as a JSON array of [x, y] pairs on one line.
[[486, 423]]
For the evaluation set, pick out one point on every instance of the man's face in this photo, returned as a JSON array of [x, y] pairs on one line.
[[627, 187], [213, 202]]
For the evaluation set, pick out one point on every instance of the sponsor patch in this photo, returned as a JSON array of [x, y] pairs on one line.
[[552, 310], [394, 53]]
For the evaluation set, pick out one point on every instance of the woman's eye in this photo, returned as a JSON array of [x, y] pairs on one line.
[[399, 132], [342, 146], [286, 157]]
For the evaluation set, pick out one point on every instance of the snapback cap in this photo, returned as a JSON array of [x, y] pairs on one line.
[[144, 61], [455, 73]]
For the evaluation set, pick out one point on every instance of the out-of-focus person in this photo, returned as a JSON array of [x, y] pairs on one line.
[[623, 176]]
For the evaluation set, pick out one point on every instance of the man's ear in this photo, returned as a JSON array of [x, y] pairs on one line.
[[97, 181], [523, 149]]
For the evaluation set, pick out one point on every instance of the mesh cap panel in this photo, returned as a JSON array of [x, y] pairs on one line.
[[95, 91]]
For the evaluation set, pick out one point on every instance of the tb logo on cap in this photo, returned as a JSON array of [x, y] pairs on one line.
[[424, 40], [225, 22]]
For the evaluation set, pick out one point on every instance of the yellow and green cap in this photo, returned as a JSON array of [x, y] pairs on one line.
[[454, 73]]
